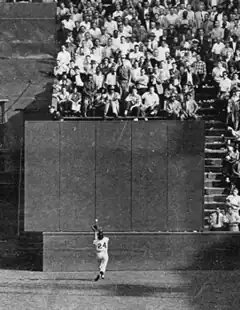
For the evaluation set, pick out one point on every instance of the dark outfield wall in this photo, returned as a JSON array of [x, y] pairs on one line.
[[27, 29], [74, 252], [131, 176]]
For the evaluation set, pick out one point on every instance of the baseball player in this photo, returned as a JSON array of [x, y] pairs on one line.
[[101, 244]]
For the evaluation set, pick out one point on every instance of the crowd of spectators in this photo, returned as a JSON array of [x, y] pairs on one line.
[[146, 58], [152, 58]]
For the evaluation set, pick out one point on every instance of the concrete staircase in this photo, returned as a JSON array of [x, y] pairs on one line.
[[215, 187]]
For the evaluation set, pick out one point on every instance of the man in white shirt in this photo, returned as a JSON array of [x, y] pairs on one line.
[[95, 31], [116, 41], [111, 78], [68, 23], [98, 78], [162, 50], [218, 47], [77, 17], [98, 53], [64, 56], [101, 245], [78, 80], [60, 69], [157, 31], [127, 28], [217, 72], [172, 17], [124, 46], [110, 25], [117, 12], [150, 103], [136, 54], [86, 22]]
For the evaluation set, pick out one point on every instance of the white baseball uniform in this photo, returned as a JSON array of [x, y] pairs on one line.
[[102, 252]]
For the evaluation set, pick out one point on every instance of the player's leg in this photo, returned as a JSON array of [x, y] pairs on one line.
[[103, 266], [99, 275]]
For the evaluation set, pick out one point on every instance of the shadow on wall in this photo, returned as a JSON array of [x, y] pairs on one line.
[[24, 252], [36, 109]]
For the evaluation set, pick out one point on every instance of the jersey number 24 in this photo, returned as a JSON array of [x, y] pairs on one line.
[[100, 245]]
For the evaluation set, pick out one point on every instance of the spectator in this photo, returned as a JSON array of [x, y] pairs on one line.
[[232, 219], [217, 221], [228, 161], [64, 56], [76, 100], [189, 108], [133, 104], [112, 100], [150, 104], [175, 49]]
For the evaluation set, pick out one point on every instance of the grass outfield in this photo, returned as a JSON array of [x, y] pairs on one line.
[[185, 290]]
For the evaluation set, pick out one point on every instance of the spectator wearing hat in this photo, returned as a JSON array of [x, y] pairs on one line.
[[173, 107], [113, 101], [189, 77], [189, 108], [217, 221], [75, 99], [89, 93], [124, 76], [233, 109], [133, 104]]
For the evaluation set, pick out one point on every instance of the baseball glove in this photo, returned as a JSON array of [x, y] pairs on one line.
[[94, 228]]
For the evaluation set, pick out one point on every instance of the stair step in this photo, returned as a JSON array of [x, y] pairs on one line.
[[208, 212], [207, 117], [212, 139], [214, 205], [213, 161], [213, 168], [215, 145], [215, 198], [215, 124], [216, 191], [215, 153], [215, 132], [207, 111], [213, 176], [213, 183]]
